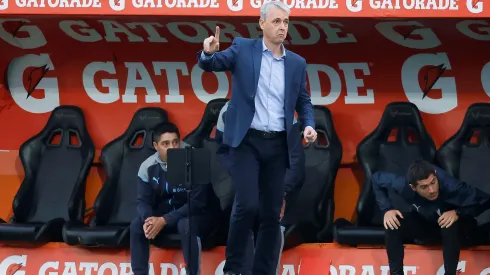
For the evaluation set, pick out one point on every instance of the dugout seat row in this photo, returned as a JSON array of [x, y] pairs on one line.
[[465, 156], [50, 204]]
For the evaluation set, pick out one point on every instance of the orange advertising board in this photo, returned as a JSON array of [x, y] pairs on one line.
[[310, 8], [328, 259], [112, 67]]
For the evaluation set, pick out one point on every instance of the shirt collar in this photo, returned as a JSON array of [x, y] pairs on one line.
[[162, 163], [265, 49], [159, 160]]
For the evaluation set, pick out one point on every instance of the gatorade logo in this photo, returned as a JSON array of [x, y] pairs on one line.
[[460, 271], [117, 5], [235, 5], [13, 265], [4, 4]]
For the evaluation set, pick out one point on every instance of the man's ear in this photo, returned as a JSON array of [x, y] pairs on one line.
[[155, 146], [261, 23], [412, 186]]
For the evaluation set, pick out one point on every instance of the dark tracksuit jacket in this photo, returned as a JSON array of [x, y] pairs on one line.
[[453, 195], [157, 197]]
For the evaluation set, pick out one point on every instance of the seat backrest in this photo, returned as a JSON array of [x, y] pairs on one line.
[[466, 154], [322, 161], [56, 163], [200, 137], [122, 157], [399, 139], [208, 122]]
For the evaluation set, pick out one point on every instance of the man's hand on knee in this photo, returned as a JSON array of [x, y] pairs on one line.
[[447, 219], [391, 221], [153, 226], [146, 228]]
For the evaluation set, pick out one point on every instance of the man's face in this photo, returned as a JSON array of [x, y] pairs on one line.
[[427, 188], [167, 141], [275, 25]]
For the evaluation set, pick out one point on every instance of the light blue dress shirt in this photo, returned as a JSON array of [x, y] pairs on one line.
[[269, 99], [220, 125]]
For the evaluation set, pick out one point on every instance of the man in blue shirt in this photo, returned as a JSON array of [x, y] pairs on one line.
[[432, 204], [162, 206], [294, 180]]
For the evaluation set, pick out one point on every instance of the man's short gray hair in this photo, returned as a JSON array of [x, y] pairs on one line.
[[265, 8]]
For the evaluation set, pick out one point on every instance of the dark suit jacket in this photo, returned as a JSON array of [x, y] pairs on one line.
[[243, 58]]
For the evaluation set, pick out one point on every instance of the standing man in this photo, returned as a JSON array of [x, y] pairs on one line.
[[269, 84], [442, 208], [293, 182]]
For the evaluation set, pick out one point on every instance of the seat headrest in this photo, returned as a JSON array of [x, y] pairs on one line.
[[66, 117], [67, 123], [323, 118], [147, 118], [404, 116], [325, 128], [477, 116], [141, 125], [399, 114], [207, 123]]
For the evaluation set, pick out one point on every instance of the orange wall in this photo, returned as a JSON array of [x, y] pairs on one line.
[[112, 67]]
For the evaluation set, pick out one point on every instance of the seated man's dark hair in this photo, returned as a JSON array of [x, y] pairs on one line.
[[419, 170], [162, 128]]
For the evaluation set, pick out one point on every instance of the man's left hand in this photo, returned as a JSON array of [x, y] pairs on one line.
[[310, 134], [447, 219], [156, 225]]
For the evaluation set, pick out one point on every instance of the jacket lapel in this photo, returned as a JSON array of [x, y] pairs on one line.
[[257, 61], [288, 78]]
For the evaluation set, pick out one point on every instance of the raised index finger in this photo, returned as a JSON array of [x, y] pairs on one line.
[[216, 35]]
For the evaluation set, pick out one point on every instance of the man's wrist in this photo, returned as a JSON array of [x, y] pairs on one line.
[[388, 209], [458, 212]]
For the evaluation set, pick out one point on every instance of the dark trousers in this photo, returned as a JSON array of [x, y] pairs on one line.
[[257, 167], [140, 245], [250, 252], [413, 226]]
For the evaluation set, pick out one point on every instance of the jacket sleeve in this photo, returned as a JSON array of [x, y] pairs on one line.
[[303, 104], [469, 200], [222, 152], [473, 211], [198, 202], [295, 175], [144, 195], [219, 61], [382, 181]]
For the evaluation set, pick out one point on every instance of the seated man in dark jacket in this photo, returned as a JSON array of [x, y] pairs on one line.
[[440, 207], [162, 206], [294, 179]]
